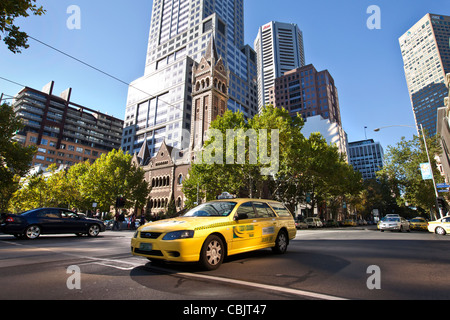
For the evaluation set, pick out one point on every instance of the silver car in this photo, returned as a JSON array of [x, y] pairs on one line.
[[394, 224]]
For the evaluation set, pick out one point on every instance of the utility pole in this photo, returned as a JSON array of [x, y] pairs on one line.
[[432, 175]]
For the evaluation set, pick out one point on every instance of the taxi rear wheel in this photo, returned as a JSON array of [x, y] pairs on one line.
[[440, 231], [281, 242], [213, 253]]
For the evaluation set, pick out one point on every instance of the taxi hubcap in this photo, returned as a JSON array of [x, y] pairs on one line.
[[282, 242], [214, 252]]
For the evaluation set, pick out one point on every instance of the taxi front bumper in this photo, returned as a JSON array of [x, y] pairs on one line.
[[180, 250]]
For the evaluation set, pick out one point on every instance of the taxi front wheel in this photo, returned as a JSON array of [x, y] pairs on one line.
[[212, 254], [281, 243]]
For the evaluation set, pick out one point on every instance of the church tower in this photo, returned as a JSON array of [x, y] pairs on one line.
[[209, 94]]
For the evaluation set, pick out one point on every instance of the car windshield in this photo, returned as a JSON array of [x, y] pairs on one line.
[[392, 219], [417, 220], [212, 209]]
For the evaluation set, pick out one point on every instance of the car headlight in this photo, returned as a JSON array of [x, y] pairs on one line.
[[183, 234]]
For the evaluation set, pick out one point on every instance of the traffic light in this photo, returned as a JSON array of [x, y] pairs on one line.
[[120, 202], [441, 202]]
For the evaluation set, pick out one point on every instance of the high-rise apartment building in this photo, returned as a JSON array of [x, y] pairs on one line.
[[426, 56], [64, 132], [367, 157], [159, 104], [307, 92], [279, 48]]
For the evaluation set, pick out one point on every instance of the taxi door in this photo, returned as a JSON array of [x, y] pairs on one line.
[[246, 230], [267, 222], [445, 223]]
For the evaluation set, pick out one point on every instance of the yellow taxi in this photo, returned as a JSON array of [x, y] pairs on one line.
[[440, 226], [418, 223], [213, 230], [349, 222]]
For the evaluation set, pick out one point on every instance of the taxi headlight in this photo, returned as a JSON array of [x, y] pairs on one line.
[[184, 234]]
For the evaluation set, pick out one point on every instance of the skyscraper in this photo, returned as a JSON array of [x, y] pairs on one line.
[[367, 157], [426, 56], [279, 48], [159, 104], [307, 92]]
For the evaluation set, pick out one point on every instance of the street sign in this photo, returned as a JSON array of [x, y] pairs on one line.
[[425, 168], [442, 185]]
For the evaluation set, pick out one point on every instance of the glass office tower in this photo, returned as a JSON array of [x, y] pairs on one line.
[[426, 56], [159, 104], [279, 48], [367, 157]]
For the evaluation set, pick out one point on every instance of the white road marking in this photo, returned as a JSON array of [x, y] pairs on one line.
[[264, 286]]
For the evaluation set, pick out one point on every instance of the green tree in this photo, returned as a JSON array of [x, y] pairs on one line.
[[114, 175], [211, 179], [402, 170], [304, 166], [9, 11], [15, 159]]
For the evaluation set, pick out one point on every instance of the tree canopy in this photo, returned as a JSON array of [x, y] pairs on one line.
[[402, 170], [15, 159], [300, 168], [112, 175], [13, 37]]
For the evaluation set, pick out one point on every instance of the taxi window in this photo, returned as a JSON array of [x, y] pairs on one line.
[[246, 209], [212, 209], [280, 209], [263, 210]]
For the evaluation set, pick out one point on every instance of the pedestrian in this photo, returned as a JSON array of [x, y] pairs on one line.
[[133, 221], [142, 222], [98, 215], [116, 224]]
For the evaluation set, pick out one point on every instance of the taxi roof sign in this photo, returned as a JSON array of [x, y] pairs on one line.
[[225, 195]]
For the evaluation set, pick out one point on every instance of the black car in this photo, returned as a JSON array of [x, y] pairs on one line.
[[31, 224]]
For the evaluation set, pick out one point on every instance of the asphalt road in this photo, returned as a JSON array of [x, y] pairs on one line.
[[324, 264]]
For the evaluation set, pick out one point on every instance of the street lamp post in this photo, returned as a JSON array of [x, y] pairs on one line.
[[429, 160]]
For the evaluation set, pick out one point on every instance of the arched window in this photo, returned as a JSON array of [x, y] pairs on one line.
[[180, 179]]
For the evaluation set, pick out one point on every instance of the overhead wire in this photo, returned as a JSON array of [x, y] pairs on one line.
[[101, 71]]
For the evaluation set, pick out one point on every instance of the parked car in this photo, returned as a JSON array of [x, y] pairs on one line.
[[440, 226], [349, 223], [394, 223], [418, 223], [331, 223], [313, 222], [31, 224], [300, 224]]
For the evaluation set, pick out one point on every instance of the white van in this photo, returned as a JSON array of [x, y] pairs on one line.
[[313, 222]]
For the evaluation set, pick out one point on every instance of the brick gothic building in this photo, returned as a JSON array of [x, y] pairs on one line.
[[167, 170]]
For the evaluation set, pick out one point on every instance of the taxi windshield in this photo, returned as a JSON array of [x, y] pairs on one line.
[[212, 209]]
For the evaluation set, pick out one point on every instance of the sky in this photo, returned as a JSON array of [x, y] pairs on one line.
[[366, 64]]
